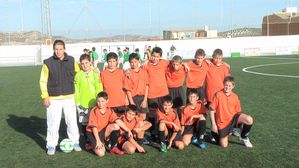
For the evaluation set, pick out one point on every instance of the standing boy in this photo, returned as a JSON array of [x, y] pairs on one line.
[[57, 88], [226, 115], [113, 82]]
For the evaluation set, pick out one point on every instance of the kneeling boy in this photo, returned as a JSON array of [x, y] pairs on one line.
[[169, 126], [137, 126], [226, 106], [103, 127]]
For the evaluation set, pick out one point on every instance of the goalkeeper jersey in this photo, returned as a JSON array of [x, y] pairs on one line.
[[87, 86]]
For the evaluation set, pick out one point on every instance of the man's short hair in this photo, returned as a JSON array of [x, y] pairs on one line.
[[133, 56], [103, 95], [177, 58], [199, 52], [217, 52], [132, 107], [167, 99], [84, 56], [112, 55], [229, 79], [158, 50], [58, 42]]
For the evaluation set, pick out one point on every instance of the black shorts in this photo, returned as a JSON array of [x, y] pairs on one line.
[[138, 101], [200, 91], [119, 110], [177, 96], [92, 139], [228, 129], [189, 129], [155, 103], [178, 136]]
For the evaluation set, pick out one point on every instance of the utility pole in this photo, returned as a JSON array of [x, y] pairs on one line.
[[46, 19]]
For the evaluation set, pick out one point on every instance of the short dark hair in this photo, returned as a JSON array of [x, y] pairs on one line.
[[132, 107], [112, 55], [158, 50], [229, 79], [104, 49], [217, 52], [93, 48], [167, 99], [137, 50], [200, 52], [133, 56], [103, 95], [193, 91], [58, 42], [177, 58], [84, 56]]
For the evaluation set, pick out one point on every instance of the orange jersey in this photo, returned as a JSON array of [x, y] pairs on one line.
[[174, 78], [113, 83], [99, 120], [157, 80], [137, 82], [214, 79], [197, 74], [189, 112], [130, 124], [226, 107], [172, 116]]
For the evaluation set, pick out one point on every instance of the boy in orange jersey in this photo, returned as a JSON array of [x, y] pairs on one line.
[[197, 74], [175, 77], [137, 126], [194, 120], [169, 126], [104, 126], [136, 85], [157, 85], [226, 115], [113, 83], [215, 75]]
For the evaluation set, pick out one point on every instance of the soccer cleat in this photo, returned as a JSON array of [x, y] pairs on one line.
[[235, 132], [194, 140], [163, 147], [145, 141], [77, 147], [88, 147], [246, 142], [117, 151], [202, 146], [51, 151]]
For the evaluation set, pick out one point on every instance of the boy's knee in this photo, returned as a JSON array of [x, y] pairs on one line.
[[115, 127], [181, 145], [249, 120], [131, 150], [162, 126]]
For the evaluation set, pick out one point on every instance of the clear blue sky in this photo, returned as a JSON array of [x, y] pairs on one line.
[[98, 18]]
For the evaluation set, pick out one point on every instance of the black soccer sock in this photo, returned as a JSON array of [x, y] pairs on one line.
[[162, 136], [245, 130], [153, 129], [215, 136], [84, 133], [113, 138], [202, 130]]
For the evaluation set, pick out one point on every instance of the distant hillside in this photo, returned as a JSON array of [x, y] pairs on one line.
[[241, 32], [34, 37]]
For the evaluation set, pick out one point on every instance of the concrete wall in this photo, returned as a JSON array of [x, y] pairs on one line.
[[245, 46]]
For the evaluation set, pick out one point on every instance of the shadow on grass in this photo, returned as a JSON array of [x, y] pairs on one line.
[[34, 127]]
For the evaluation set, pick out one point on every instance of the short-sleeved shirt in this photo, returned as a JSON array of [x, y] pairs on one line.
[[175, 78], [157, 79], [94, 55], [189, 112], [226, 107], [197, 74], [130, 125], [214, 79], [113, 83], [136, 82], [99, 120], [171, 116]]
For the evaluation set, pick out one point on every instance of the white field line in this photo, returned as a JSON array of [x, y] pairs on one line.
[[268, 74], [279, 58]]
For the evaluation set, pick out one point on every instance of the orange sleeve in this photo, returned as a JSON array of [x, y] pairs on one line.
[[214, 102], [113, 117], [183, 119], [92, 122], [238, 106]]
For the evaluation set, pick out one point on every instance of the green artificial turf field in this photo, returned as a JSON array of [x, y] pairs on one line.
[[272, 101]]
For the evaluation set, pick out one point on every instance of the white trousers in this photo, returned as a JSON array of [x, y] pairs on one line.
[[54, 112]]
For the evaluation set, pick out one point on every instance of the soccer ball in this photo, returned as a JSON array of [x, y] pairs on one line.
[[66, 145]]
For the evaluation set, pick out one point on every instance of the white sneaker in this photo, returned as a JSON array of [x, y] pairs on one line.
[[246, 142]]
